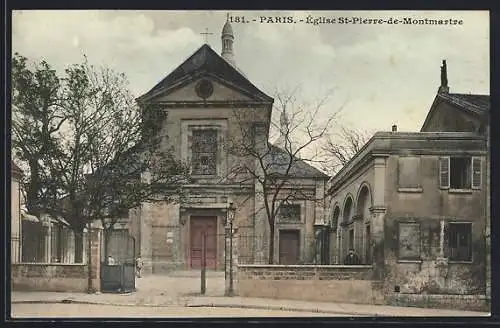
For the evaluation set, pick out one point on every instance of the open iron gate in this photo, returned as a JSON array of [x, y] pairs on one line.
[[120, 277]]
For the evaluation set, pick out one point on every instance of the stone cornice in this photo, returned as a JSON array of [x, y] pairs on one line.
[[212, 104], [218, 186], [357, 217], [378, 209]]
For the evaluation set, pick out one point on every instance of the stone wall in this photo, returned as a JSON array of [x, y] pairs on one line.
[[61, 277], [457, 302], [430, 207], [322, 283], [425, 275], [50, 277]]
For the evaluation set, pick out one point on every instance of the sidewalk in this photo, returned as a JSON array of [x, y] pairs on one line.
[[135, 299]]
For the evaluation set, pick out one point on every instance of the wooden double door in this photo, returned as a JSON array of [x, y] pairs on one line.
[[203, 226]]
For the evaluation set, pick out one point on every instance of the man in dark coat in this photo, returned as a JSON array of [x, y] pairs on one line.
[[352, 258]]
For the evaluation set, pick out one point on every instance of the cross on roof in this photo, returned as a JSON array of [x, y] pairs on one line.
[[206, 33]]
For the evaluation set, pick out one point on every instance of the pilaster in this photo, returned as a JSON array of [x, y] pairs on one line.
[[377, 231], [379, 180], [146, 233], [47, 240], [319, 204], [95, 236]]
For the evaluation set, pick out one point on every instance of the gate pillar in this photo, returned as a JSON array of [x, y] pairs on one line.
[[94, 261]]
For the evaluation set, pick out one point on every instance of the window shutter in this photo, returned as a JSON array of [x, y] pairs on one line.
[[444, 172], [476, 172]]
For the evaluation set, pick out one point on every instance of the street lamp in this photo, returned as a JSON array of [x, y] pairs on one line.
[[230, 213], [229, 232]]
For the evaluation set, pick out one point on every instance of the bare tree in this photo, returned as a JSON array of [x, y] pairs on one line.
[[276, 168], [106, 157], [341, 146]]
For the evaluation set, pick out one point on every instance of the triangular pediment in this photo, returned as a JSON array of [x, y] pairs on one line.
[[205, 63], [221, 92], [456, 113]]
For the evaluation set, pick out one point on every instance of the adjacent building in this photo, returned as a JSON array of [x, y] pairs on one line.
[[416, 204]]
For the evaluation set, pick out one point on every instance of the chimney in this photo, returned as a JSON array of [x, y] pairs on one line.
[[443, 88], [394, 128]]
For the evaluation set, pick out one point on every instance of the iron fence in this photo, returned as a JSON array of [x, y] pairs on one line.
[[15, 249], [34, 245], [288, 249], [40, 243], [62, 244]]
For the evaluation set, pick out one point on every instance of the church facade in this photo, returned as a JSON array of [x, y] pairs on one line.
[[211, 106], [415, 205]]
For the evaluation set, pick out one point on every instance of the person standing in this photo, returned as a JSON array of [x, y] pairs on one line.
[[111, 260], [352, 258], [138, 266]]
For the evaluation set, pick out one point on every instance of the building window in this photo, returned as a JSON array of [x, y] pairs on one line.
[[460, 241], [290, 212], [351, 239], [460, 172], [346, 215], [204, 152], [409, 241], [409, 172]]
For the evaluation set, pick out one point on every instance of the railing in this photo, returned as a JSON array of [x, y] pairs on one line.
[[305, 250]]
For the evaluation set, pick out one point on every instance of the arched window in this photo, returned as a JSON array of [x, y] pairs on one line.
[[364, 202], [347, 213], [335, 217]]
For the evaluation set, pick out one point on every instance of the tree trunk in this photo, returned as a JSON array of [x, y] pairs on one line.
[[90, 288], [271, 244], [106, 242], [79, 247], [32, 188]]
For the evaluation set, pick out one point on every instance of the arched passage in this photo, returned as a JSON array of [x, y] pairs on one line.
[[364, 202], [347, 212], [345, 231], [364, 242]]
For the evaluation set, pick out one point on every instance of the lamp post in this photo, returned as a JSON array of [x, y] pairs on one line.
[[229, 232]]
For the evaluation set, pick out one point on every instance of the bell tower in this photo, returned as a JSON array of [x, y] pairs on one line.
[[227, 42]]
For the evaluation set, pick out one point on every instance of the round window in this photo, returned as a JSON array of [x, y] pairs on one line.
[[204, 89]]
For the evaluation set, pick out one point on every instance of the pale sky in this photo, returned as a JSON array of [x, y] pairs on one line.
[[385, 74]]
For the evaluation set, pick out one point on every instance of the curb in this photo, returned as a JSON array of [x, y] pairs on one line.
[[66, 301], [240, 306], [279, 308], [186, 303]]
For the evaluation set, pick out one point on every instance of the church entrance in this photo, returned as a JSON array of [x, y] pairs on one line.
[[203, 225], [289, 246]]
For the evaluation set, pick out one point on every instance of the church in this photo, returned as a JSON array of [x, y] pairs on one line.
[[211, 106]]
